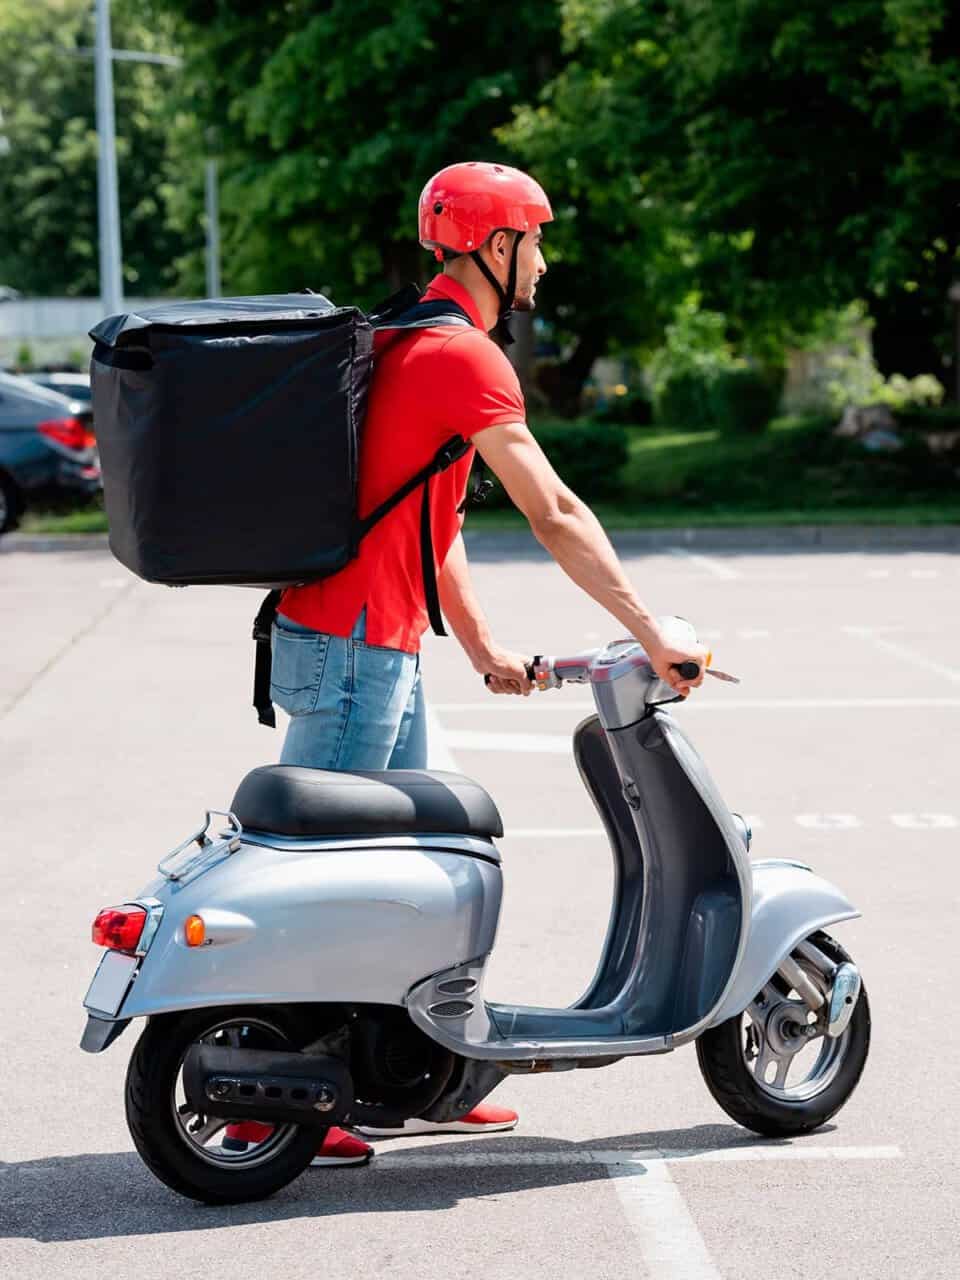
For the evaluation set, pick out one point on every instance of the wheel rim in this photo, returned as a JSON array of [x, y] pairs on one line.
[[202, 1134], [784, 1043]]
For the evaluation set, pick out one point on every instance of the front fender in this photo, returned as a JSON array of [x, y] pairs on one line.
[[789, 903]]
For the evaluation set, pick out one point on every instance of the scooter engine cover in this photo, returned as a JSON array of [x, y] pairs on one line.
[[258, 1084]]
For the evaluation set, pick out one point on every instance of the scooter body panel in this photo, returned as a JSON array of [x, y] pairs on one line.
[[291, 921], [789, 903]]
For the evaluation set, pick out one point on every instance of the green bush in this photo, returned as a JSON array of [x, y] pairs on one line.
[[635, 409], [796, 463], [589, 457], [941, 418], [743, 400], [684, 400]]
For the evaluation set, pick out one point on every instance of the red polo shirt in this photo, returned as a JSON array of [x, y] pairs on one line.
[[429, 385]]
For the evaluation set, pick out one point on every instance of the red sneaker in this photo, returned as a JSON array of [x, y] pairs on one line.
[[237, 1137], [484, 1118], [337, 1147]]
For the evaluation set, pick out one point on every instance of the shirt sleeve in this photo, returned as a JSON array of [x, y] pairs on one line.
[[477, 386]]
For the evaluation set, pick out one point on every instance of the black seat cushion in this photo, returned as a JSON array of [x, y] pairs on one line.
[[292, 801]]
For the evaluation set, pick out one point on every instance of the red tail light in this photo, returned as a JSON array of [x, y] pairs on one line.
[[72, 433], [119, 928]]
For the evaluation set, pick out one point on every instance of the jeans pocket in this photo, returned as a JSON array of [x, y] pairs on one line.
[[297, 669]]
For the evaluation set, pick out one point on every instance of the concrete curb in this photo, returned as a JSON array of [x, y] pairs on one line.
[[765, 538], [941, 537], [53, 542]]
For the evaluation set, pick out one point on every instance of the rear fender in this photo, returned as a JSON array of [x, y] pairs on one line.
[[303, 922], [789, 903]]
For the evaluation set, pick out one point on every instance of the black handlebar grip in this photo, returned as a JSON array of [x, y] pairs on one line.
[[689, 670], [529, 668]]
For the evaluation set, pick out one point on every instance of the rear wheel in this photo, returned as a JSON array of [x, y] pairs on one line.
[[10, 503], [772, 1068], [183, 1147]]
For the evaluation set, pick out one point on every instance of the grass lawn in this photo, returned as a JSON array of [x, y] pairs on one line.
[[796, 472]]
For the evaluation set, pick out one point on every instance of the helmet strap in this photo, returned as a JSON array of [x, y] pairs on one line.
[[507, 296]]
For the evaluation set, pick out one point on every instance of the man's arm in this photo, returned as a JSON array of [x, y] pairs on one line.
[[462, 610], [573, 535]]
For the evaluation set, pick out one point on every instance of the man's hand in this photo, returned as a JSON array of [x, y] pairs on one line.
[[507, 672], [665, 659]]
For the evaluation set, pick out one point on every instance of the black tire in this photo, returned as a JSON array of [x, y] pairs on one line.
[[720, 1052], [11, 504], [158, 1133]]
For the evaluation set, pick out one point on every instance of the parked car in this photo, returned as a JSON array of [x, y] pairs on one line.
[[46, 443], [74, 385]]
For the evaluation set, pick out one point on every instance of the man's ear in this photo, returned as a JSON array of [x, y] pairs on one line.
[[500, 245]]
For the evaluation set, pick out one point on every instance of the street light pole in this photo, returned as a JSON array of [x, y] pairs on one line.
[[213, 231], [108, 204]]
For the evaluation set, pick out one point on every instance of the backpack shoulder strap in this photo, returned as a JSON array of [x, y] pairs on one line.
[[262, 635], [448, 453], [427, 315]]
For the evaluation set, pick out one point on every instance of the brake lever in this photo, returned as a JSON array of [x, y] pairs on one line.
[[690, 671]]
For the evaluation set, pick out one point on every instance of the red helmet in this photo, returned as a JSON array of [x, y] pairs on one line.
[[462, 205]]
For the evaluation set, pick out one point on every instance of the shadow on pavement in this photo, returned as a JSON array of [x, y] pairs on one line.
[[69, 1198]]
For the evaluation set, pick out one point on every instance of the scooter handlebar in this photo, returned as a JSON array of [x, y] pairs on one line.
[[689, 670]]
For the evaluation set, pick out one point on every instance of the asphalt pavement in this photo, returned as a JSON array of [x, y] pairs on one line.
[[124, 713]]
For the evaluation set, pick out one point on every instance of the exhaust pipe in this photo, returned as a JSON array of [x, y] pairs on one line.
[[257, 1084]]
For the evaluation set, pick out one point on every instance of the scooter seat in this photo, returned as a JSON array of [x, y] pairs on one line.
[[292, 801]]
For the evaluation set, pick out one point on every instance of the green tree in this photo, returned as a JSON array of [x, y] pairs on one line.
[[48, 161], [809, 154], [329, 117]]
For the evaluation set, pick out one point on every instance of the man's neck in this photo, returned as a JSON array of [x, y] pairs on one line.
[[466, 272]]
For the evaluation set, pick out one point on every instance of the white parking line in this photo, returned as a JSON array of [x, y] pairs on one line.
[[924, 821], [423, 1157], [716, 567], [698, 702], [439, 755], [670, 1244], [828, 821], [901, 651]]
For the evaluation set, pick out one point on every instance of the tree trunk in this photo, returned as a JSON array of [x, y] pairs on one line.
[[520, 354], [562, 384], [909, 334], [405, 263]]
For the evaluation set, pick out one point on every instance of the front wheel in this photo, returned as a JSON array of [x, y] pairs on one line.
[[772, 1068], [182, 1147]]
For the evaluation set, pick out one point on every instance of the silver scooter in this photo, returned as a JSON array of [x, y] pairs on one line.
[[318, 957]]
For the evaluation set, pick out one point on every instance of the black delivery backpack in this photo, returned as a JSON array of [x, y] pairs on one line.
[[230, 432]]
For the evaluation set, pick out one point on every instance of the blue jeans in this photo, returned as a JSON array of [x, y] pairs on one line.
[[351, 705]]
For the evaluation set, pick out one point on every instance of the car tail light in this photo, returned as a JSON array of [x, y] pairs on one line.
[[119, 928], [72, 433]]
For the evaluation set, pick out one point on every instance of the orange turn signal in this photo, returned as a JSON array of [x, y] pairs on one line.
[[194, 931]]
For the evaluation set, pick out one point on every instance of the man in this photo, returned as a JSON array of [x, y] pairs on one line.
[[346, 664]]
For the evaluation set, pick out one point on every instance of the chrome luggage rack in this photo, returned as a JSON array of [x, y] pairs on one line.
[[229, 842]]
